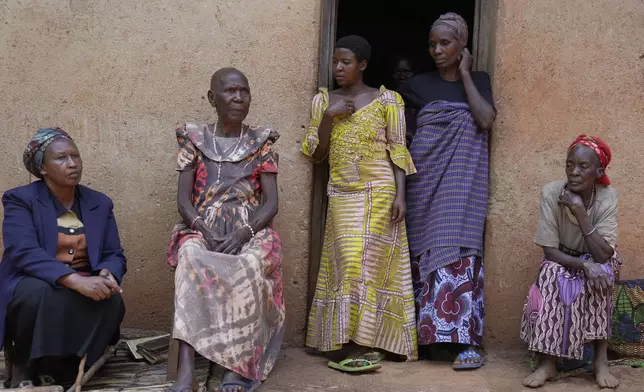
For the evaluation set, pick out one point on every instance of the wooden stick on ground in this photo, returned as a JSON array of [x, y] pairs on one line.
[[81, 372], [83, 378], [147, 388], [52, 388]]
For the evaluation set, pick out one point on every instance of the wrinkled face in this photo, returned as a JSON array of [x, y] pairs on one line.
[[444, 48], [346, 67], [230, 96], [62, 163], [402, 72], [583, 168]]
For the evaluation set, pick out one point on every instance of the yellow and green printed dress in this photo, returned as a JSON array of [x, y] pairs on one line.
[[364, 292]]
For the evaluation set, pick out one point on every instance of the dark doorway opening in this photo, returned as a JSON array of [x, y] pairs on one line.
[[397, 29]]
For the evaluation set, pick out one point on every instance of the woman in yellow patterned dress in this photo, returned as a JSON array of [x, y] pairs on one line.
[[364, 292]]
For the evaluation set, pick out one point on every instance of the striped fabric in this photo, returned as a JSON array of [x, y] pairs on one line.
[[562, 313], [447, 197], [364, 292]]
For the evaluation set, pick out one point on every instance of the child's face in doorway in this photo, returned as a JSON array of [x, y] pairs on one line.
[[402, 72], [444, 48], [346, 67]]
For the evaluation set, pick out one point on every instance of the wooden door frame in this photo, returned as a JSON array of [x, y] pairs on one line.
[[329, 12], [317, 221]]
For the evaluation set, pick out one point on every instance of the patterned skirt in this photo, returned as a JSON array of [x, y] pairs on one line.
[[364, 292], [562, 312], [450, 303], [230, 307]]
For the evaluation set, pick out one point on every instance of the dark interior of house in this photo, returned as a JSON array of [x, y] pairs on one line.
[[397, 29]]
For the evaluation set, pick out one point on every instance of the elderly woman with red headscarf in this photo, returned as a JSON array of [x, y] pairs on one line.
[[571, 302]]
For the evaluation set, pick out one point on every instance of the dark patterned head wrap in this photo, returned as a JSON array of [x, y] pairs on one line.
[[35, 151], [456, 24], [601, 149], [358, 45]]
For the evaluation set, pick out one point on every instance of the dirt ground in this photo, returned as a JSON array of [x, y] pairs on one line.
[[504, 370], [298, 371]]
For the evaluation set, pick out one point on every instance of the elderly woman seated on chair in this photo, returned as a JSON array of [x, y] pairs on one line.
[[228, 278], [61, 267]]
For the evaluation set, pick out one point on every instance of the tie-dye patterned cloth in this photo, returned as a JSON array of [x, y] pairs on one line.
[[562, 312], [228, 307]]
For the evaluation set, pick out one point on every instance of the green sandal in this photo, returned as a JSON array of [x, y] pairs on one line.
[[351, 365], [373, 356]]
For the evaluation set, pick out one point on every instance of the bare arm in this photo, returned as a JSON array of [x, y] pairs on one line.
[[399, 207], [324, 134], [341, 108], [597, 246], [560, 257], [600, 250], [234, 241], [400, 177], [189, 213], [269, 209], [184, 197], [483, 113]]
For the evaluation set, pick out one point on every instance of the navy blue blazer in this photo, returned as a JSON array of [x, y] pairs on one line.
[[30, 235]]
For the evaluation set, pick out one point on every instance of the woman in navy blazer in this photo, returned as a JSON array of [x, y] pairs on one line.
[[62, 266]]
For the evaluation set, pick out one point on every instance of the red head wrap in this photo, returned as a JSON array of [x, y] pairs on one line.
[[601, 149]]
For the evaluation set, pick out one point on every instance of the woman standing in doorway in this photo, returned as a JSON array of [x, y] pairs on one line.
[[447, 198], [364, 293]]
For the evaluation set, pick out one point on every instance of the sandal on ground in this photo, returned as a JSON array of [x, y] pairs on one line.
[[470, 353], [25, 384], [184, 389], [351, 365], [210, 384], [46, 380], [249, 386], [373, 356]]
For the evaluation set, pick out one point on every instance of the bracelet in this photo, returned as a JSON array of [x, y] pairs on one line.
[[252, 232], [591, 232], [194, 220]]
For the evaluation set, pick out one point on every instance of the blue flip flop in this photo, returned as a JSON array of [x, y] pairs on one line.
[[249, 386], [470, 353]]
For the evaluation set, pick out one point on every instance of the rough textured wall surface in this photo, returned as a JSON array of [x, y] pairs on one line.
[[121, 75], [560, 68]]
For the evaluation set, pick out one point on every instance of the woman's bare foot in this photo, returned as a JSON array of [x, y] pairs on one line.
[[603, 376], [547, 370]]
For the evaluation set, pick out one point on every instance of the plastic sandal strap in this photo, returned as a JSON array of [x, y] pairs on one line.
[[46, 380], [26, 384], [352, 362], [239, 383]]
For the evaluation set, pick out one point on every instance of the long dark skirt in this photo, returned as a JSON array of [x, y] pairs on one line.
[[43, 321]]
